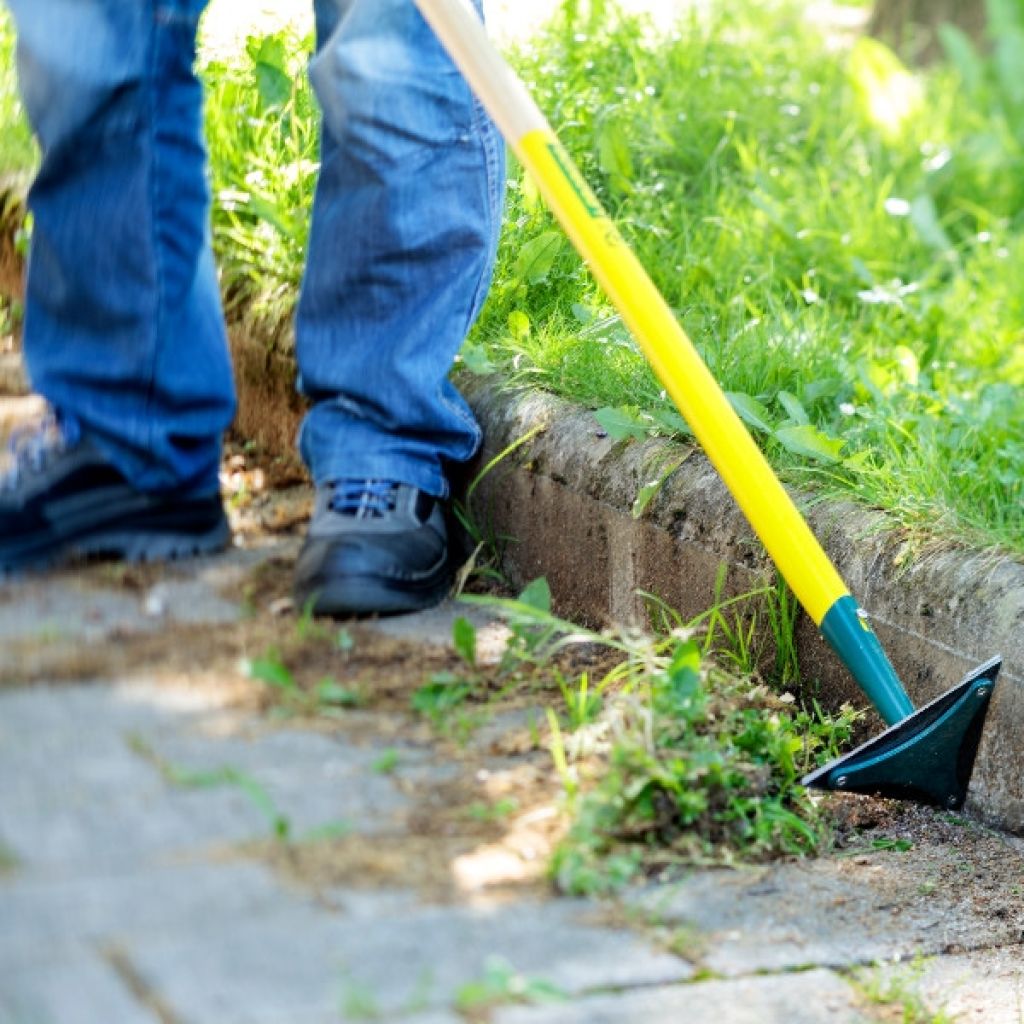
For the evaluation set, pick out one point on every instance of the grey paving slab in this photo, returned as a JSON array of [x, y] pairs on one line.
[[810, 997], [50, 614], [82, 991], [394, 963], [44, 918], [76, 606], [838, 912], [312, 779], [986, 987], [79, 797]]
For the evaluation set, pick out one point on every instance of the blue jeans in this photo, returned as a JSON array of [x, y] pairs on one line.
[[123, 326]]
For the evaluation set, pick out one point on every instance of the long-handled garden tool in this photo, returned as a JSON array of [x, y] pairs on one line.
[[927, 754]]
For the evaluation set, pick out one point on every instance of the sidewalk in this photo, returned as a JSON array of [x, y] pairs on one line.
[[174, 850]]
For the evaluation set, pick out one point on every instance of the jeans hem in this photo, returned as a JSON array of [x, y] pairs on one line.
[[429, 480]]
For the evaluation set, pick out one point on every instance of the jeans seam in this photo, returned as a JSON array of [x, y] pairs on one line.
[[482, 131], [153, 191]]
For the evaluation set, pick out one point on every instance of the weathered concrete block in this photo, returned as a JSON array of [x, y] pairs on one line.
[[45, 918], [79, 797]]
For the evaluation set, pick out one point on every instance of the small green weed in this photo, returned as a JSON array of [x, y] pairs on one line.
[[441, 694], [359, 1002], [226, 775], [499, 810], [9, 862], [751, 634], [898, 990], [704, 767], [680, 762], [486, 556], [882, 843], [500, 985], [386, 763], [444, 700], [583, 705], [326, 697]]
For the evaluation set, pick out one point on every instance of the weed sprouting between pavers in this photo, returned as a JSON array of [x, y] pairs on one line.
[[9, 862], [501, 985], [665, 759], [896, 990], [186, 777]]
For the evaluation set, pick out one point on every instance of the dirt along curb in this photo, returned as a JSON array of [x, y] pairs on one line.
[[567, 498]]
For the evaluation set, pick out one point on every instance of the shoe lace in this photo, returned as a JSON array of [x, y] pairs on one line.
[[31, 448], [364, 499]]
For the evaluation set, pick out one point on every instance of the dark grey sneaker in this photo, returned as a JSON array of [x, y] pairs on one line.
[[61, 500], [373, 546]]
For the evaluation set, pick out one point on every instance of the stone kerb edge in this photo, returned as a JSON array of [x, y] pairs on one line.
[[567, 498]]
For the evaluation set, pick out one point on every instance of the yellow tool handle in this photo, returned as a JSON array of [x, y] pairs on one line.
[[676, 362]]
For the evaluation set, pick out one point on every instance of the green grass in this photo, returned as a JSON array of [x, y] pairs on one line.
[[17, 150], [851, 281], [261, 128], [895, 992]]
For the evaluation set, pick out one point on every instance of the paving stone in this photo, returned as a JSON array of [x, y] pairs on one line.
[[52, 614], [82, 991], [43, 918], [811, 997], [976, 988], [80, 798], [281, 963], [312, 779], [72, 606], [834, 912]]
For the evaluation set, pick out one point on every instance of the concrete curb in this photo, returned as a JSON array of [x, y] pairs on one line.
[[567, 498]]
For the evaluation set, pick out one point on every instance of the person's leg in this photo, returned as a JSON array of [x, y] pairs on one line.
[[123, 329], [123, 325], [405, 227], [405, 224]]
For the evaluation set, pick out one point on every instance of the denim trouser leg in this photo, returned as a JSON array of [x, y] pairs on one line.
[[123, 326], [404, 230]]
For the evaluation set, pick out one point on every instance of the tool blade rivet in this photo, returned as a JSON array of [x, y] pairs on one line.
[[842, 781]]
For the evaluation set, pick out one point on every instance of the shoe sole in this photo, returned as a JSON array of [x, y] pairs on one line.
[[135, 546], [371, 595], [153, 547]]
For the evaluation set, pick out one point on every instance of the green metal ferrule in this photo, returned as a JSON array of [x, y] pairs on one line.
[[846, 629]]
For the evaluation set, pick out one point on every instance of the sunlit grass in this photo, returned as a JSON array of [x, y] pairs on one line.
[[840, 239], [17, 150]]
